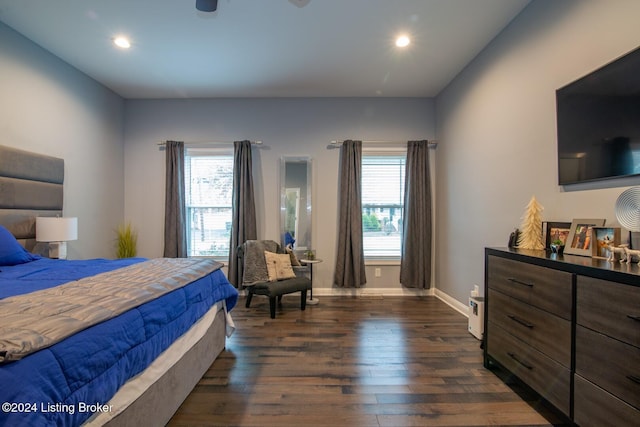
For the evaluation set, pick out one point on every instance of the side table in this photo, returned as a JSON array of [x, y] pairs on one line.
[[310, 263]]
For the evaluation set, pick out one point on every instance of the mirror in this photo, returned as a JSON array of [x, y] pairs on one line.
[[295, 202]]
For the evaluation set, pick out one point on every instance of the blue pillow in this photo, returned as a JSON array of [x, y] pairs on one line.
[[11, 252]]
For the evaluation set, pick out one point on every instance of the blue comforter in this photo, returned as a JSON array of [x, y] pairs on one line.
[[60, 385]]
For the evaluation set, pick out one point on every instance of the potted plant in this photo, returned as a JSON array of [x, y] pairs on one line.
[[127, 241], [557, 247]]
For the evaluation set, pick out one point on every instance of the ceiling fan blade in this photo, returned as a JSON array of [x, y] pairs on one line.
[[207, 5]]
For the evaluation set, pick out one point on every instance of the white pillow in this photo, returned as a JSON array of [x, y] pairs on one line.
[[278, 266]]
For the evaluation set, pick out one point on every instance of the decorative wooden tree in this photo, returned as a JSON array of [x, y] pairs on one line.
[[531, 230]]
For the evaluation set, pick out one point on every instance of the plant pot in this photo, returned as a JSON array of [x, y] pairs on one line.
[[557, 249]]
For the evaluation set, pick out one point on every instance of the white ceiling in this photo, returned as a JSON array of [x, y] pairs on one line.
[[265, 48]]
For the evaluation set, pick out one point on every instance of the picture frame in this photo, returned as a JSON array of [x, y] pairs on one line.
[[579, 240], [554, 230], [602, 238]]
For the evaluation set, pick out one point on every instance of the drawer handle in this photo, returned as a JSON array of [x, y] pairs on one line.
[[636, 318], [634, 378], [520, 282], [514, 357], [520, 321]]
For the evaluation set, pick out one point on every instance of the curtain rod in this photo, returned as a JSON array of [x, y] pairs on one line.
[[163, 143], [432, 144]]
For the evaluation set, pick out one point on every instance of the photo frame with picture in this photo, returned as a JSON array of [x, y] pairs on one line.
[[603, 238], [553, 231], [580, 236]]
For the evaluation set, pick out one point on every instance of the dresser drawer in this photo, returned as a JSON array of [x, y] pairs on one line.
[[610, 308], [594, 407], [540, 287], [544, 331], [609, 363], [546, 376]]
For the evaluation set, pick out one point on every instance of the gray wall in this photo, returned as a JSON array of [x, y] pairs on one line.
[[49, 107], [287, 126], [496, 126]]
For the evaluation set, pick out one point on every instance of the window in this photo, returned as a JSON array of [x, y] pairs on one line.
[[209, 185], [382, 204]]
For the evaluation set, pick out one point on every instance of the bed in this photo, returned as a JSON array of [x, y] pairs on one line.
[[134, 366]]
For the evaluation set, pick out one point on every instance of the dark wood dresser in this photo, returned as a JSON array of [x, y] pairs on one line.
[[569, 328]]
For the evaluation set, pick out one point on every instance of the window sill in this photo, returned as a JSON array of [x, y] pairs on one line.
[[382, 261]]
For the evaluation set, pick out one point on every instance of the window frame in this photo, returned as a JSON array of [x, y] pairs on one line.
[[382, 151], [192, 152]]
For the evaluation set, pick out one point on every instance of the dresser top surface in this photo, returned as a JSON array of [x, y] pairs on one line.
[[595, 267]]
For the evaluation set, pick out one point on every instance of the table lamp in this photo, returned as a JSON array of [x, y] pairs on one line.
[[57, 231]]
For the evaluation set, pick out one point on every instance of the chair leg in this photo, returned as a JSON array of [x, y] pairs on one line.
[[303, 300], [249, 296], [272, 307], [279, 299]]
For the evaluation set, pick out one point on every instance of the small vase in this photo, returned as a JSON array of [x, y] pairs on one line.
[[557, 249]]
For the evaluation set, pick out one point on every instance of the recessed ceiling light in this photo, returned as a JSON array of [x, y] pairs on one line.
[[122, 42], [403, 41]]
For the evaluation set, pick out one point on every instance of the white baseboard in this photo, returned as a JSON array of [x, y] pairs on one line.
[[390, 292], [453, 303], [365, 291], [394, 292]]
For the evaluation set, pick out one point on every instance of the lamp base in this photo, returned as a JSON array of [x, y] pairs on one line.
[[58, 250]]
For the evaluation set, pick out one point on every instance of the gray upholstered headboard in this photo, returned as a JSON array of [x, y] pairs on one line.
[[30, 185]]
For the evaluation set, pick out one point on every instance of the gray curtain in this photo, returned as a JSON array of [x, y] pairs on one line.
[[175, 211], [350, 255], [243, 225], [415, 268]]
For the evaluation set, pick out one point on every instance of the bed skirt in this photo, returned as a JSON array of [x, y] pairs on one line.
[[172, 377]]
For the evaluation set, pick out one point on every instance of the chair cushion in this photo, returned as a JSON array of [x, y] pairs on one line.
[[281, 287]]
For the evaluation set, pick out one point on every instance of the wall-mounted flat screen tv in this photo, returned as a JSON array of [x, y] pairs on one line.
[[598, 123]]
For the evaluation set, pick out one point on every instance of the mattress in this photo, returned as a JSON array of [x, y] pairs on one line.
[[65, 384]]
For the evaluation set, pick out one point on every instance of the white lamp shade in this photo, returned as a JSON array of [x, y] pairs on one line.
[[50, 229]]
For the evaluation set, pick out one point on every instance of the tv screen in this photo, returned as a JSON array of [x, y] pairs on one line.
[[598, 123]]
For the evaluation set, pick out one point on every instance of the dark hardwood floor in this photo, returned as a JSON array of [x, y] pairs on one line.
[[367, 361]]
